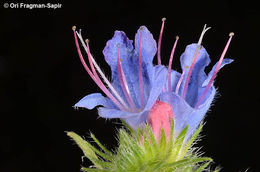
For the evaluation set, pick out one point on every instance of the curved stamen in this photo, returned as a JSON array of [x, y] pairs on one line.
[[159, 42], [140, 70], [80, 55], [101, 73], [180, 80], [100, 84], [215, 71], [89, 59], [123, 81], [170, 64], [205, 29], [189, 75]]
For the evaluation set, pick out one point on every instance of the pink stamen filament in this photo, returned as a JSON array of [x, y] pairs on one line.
[[170, 64], [80, 55], [96, 80], [180, 80], [159, 42], [215, 71], [189, 74], [140, 70], [90, 61], [123, 81], [101, 73]]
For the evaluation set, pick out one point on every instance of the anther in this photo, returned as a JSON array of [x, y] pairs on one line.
[[73, 28], [163, 19], [87, 41], [231, 34]]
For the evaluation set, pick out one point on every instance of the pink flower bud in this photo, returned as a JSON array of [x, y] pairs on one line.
[[160, 117]]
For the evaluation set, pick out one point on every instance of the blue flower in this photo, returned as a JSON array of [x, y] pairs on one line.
[[136, 82], [191, 93]]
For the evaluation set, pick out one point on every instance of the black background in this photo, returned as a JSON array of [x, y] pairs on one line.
[[41, 77]]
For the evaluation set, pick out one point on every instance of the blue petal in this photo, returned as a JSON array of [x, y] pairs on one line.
[[130, 68], [129, 62], [198, 75], [134, 120], [92, 100], [149, 46], [115, 113], [110, 51], [175, 76], [130, 65], [159, 79], [224, 62]]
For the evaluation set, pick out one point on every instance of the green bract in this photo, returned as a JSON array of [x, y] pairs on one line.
[[139, 151]]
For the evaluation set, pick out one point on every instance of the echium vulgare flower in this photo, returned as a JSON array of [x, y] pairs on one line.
[[162, 106], [136, 82], [141, 92]]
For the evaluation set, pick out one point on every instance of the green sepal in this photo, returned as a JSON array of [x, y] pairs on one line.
[[108, 155], [93, 170], [138, 150], [177, 145], [191, 141], [188, 162], [205, 165], [152, 138], [86, 148], [163, 142]]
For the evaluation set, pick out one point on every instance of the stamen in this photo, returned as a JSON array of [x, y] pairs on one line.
[[196, 55], [107, 82], [101, 85], [80, 55], [180, 80], [215, 71], [140, 70], [170, 64], [101, 73], [189, 75], [89, 59], [159, 42], [123, 81]]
